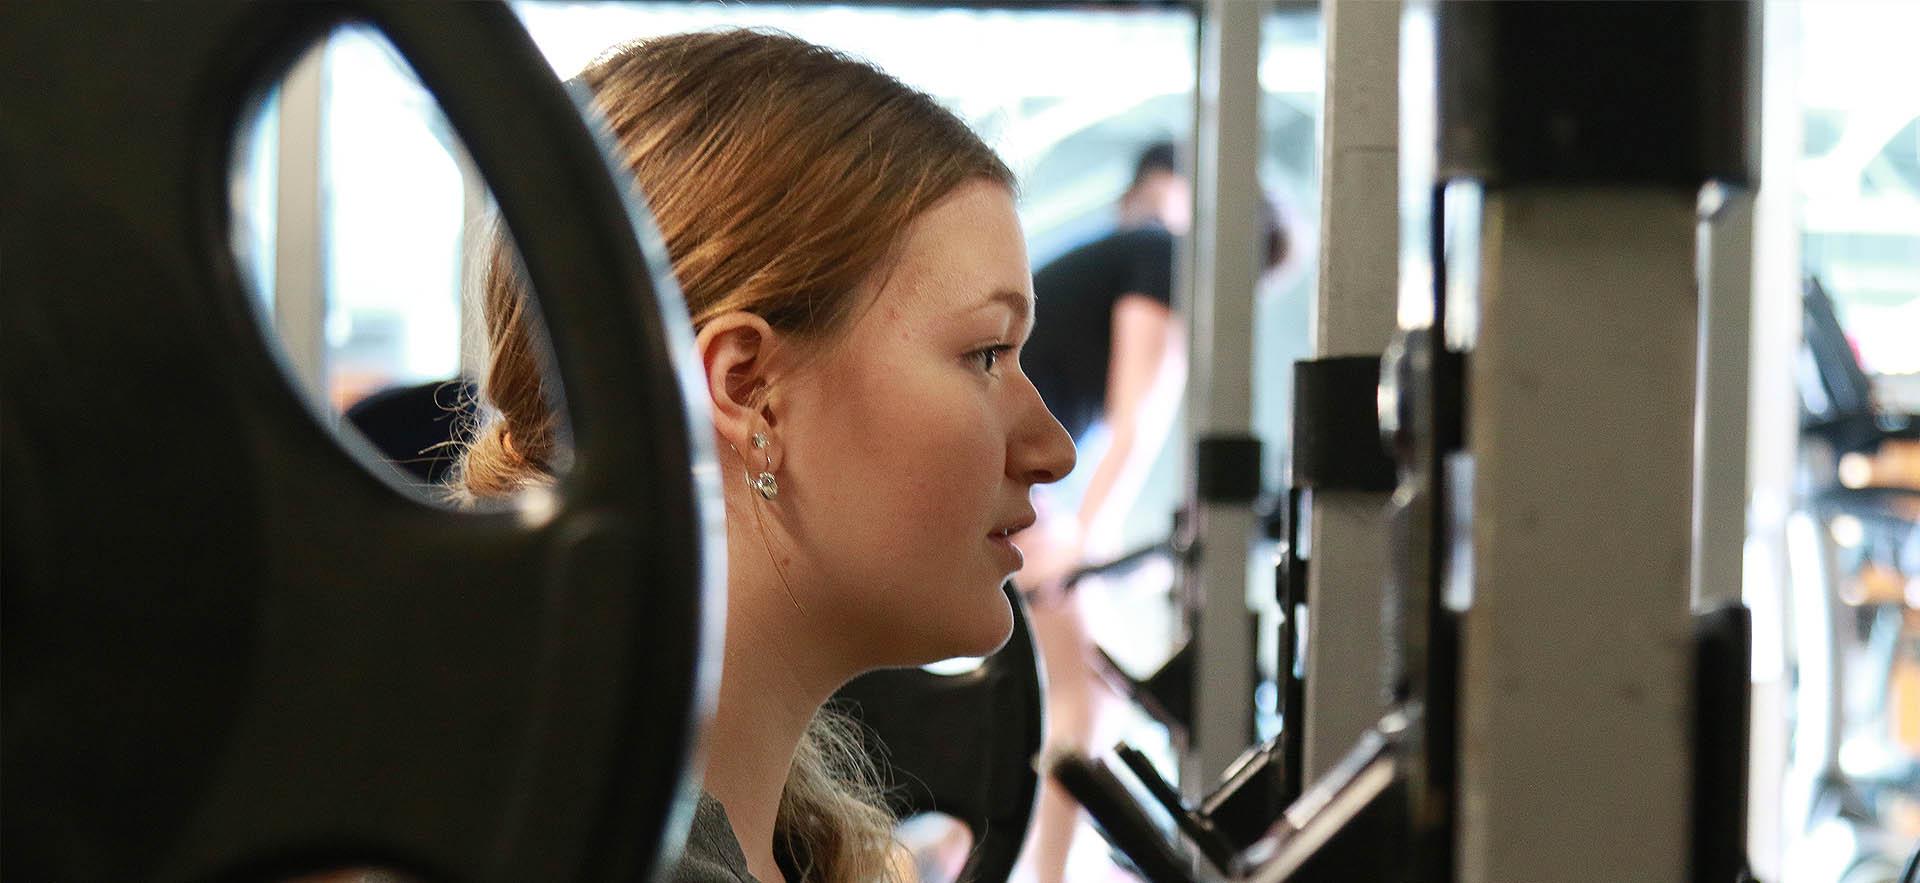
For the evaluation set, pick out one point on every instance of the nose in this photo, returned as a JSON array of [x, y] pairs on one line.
[[1039, 450]]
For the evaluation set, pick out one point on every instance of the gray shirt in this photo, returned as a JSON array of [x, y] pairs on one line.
[[713, 853]]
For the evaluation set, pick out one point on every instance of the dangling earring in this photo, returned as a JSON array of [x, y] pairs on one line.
[[764, 482]]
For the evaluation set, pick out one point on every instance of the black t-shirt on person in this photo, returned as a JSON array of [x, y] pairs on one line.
[[1073, 334]]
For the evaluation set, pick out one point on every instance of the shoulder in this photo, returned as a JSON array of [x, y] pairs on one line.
[[1149, 264], [712, 853], [1146, 236], [1128, 242], [1089, 263]]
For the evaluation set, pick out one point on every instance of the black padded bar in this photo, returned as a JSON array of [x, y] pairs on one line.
[[1250, 797], [1166, 695], [1336, 425], [1611, 93], [1195, 826], [1350, 826], [1227, 468], [1723, 651], [1118, 817]]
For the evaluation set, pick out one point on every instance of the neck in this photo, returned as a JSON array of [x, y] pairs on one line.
[[771, 683]]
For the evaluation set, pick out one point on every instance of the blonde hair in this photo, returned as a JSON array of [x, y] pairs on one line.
[[781, 175]]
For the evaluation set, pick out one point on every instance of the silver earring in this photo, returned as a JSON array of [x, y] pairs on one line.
[[764, 482]]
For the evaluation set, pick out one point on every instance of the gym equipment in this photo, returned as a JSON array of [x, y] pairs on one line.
[[1336, 429], [1224, 479], [1552, 697], [1166, 695], [1837, 395], [1840, 417], [234, 651], [964, 744]]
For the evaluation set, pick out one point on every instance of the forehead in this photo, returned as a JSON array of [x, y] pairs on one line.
[[956, 255]]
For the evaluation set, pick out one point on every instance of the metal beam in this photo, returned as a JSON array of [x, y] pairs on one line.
[[1575, 669], [299, 276], [1227, 263], [1354, 314], [1773, 443], [476, 206], [1720, 453]]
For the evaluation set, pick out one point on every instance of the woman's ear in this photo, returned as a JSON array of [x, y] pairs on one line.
[[735, 351]]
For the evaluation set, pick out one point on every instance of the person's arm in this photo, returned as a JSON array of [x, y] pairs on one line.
[[1144, 373]]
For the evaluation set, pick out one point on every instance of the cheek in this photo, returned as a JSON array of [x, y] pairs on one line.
[[917, 457], [954, 446], [936, 458], [913, 463]]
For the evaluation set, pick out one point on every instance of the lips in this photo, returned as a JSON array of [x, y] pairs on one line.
[[1002, 540], [1014, 526]]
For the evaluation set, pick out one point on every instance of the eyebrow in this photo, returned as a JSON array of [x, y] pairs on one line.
[[1019, 302]]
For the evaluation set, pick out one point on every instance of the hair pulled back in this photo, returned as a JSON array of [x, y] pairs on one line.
[[781, 175]]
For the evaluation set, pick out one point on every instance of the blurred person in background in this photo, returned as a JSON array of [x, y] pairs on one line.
[[1108, 356]]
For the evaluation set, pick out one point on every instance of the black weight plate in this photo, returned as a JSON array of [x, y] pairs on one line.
[[230, 649]]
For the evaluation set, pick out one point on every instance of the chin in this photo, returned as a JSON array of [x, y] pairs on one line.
[[975, 628], [992, 639]]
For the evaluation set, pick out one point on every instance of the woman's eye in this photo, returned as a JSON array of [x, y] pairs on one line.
[[989, 358]]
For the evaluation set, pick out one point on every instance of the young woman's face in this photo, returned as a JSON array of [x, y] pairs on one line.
[[912, 443]]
